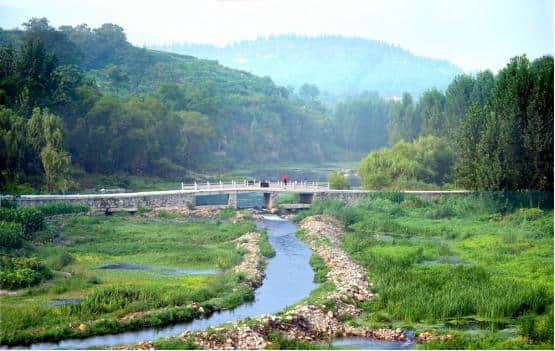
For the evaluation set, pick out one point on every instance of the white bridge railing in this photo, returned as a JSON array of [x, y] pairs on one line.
[[245, 184]]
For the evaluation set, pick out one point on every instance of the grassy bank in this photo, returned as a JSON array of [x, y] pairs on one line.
[[158, 290], [466, 266]]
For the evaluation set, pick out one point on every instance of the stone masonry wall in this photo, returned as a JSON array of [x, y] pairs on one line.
[[114, 201], [347, 197]]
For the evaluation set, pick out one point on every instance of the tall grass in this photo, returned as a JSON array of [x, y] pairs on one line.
[[506, 255], [90, 242], [61, 208]]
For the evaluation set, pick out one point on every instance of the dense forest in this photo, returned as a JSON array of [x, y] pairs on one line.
[[82, 99], [77, 100], [339, 66]]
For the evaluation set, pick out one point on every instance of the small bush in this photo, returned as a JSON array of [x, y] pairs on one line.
[[21, 272], [338, 181], [8, 204], [537, 328], [414, 202], [115, 298], [30, 218], [59, 260], [383, 205], [439, 212], [142, 210], [11, 235]]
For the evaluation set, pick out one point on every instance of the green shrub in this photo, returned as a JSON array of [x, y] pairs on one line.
[[59, 260], [537, 328], [439, 212], [347, 214], [383, 205], [427, 160], [338, 181], [414, 202], [61, 208], [11, 235], [30, 218], [226, 213], [22, 272], [115, 298], [8, 203], [142, 210]]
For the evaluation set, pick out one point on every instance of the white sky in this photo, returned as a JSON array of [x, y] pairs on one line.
[[474, 34]]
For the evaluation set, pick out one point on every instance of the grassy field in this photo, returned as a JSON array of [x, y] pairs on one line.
[[80, 245], [461, 266]]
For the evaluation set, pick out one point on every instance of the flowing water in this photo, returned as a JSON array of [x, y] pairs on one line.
[[358, 343], [289, 278]]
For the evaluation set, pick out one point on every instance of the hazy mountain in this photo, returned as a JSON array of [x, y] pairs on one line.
[[336, 64]]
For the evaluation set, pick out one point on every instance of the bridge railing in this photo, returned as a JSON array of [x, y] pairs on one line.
[[244, 184]]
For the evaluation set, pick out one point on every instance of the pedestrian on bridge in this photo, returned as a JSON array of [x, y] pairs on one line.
[[285, 178]]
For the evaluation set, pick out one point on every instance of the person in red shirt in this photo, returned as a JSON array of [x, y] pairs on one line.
[[285, 178]]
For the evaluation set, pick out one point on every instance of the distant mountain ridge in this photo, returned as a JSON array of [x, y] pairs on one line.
[[338, 65]]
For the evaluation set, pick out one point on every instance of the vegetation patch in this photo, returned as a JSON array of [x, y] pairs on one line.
[[118, 300], [22, 272], [507, 273]]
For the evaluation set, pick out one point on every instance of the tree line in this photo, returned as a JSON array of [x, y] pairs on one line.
[[105, 106], [77, 100], [485, 132]]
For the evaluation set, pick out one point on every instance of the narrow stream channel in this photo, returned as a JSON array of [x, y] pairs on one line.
[[289, 278]]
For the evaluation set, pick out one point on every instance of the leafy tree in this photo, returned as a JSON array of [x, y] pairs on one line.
[[57, 42], [431, 110], [361, 123], [34, 76], [338, 181], [458, 98], [508, 143], [428, 160], [538, 135], [482, 88], [13, 141], [44, 133], [118, 75], [404, 121], [309, 92], [468, 138], [56, 165]]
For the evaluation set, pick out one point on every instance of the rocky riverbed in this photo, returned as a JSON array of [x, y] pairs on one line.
[[253, 261], [306, 322]]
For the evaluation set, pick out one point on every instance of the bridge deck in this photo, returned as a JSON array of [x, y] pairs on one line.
[[217, 190]]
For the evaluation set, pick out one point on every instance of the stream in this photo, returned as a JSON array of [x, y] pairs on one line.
[[289, 278]]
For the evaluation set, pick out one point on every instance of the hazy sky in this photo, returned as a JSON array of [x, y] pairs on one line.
[[474, 34]]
